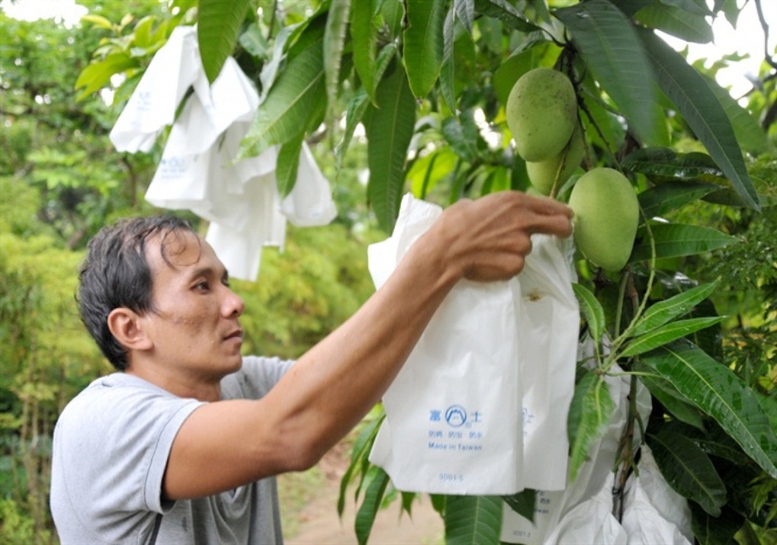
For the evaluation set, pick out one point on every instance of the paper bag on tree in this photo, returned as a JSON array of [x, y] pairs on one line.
[[455, 414]]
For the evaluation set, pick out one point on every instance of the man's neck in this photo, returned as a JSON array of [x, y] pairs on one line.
[[181, 386]]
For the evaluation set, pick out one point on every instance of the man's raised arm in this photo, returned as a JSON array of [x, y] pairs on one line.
[[331, 387]]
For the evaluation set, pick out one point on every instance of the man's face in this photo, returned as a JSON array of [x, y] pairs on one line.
[[194, 322]]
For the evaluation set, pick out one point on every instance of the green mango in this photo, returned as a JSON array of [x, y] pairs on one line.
[[541, 113], [606, 217], [543, 173]]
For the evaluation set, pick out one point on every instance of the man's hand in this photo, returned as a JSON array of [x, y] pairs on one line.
[[489, 238]]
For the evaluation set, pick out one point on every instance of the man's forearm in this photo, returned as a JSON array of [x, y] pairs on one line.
[[339, 380]]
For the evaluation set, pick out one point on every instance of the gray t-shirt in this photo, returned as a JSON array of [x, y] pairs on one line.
[[111, 445]]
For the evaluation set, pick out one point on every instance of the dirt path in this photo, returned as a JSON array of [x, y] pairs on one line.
[[320, 524]]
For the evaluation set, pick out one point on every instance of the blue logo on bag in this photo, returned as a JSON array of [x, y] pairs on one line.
[[456, 416]]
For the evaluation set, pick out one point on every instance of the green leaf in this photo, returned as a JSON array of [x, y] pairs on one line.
[[630, 7], [393, 14], [721, 446], [407, 501], [359, 452], [509, 71], [614, 54], [664, 311], [676, 240], [523, 503], [497, 179], [709, 530], [659, 200], [688, 470], [473, 519], [592, 310], [687, 89], [438, 503], [295, 99], [96, 75], [696, 7], [357, 106], [769, 405], [97, 20], [376, 483], [218, 24], [287, 165], [334, 43], [663, 164], [364, 35], [465, 11], [143, 32], [389, 128], [668, 333], [447, 70], [506, 13], [603, 127], [730, 9], [748, 131], [253, 41], [271, 68], [720, 393], [677, 22], [462, 135], [385, 57], [589, 415], [674, 402], [426, 171], [423, 37]]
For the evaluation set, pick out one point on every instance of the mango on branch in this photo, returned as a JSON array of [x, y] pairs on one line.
[[544, 175], [541, 113], [606, 217]]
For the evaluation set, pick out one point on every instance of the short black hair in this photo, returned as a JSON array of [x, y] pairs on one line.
[[116, 273]]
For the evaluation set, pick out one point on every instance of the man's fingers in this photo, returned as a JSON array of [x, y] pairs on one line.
[[558, 224], [549, 207]]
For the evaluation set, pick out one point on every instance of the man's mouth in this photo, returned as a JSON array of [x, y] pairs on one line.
[[237, 334]]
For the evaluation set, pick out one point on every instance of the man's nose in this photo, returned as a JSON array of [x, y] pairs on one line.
[[233, 305]]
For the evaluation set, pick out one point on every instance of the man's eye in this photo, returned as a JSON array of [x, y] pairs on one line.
[[202, 286]]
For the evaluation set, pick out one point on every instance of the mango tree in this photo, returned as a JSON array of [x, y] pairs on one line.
[[429, 83]]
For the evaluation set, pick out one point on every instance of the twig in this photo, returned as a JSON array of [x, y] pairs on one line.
[[765, 27]]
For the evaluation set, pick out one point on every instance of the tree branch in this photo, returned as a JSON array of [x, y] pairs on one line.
[[767, 54]]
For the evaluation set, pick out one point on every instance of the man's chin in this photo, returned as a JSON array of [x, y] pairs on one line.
[[236, 362]]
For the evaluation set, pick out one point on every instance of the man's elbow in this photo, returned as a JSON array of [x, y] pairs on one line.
[[303, 460], [303, 453]]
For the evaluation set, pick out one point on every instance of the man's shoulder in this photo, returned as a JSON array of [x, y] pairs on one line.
[[119, 398], [114, 387], [111, 445], [255, 378]]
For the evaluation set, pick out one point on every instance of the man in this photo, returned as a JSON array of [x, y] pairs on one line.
[[180, 446]]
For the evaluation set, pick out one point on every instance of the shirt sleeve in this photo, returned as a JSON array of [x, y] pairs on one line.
[[256, 377], [113, 444]]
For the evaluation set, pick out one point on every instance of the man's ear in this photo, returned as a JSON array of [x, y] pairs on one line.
[[126, 326]]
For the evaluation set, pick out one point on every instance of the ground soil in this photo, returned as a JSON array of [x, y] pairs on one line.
[[319, 523]]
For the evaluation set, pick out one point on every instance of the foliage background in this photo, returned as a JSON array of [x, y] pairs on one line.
[[60, 181]]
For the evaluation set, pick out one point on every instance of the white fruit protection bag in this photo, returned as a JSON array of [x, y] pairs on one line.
[[653, 512], [456, 417], [200, 169], [552, 506], [548, 330]]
